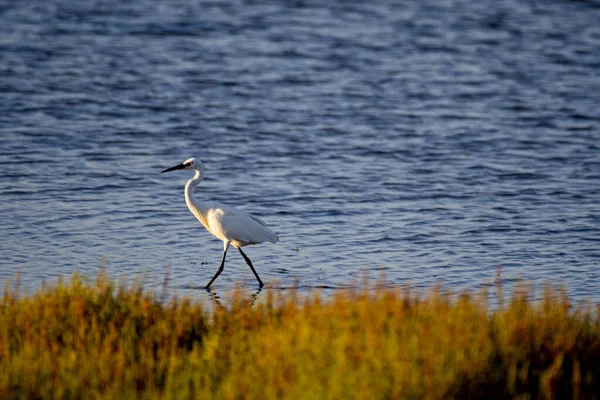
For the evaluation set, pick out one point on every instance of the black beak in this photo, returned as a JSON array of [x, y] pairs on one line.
[[180, 166]]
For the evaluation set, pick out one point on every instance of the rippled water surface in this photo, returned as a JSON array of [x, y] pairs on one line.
[[432, 141]]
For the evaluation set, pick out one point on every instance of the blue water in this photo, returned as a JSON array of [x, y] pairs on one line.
[[429, 141]]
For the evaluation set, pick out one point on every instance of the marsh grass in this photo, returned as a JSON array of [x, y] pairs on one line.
[[101, 339]]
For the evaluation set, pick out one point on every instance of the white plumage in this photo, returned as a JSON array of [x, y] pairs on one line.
[[232, 226]]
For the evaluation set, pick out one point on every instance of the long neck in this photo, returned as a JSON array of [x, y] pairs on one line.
[[198, 208]]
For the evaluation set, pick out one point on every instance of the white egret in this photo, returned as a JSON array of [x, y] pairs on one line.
[[232, 226]]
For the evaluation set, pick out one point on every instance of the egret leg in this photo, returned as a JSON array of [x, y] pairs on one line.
[[221, 267], [260, 284]]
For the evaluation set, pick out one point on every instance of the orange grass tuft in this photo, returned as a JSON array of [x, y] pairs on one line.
[[100, 339]]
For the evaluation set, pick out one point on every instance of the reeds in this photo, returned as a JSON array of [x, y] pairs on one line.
[[105, 340]]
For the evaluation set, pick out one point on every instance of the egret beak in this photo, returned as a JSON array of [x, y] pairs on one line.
[[180, 166]]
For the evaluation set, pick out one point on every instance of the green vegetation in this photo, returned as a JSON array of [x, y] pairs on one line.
[[107, 340]]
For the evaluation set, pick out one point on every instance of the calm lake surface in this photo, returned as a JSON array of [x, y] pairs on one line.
[[430, 141]]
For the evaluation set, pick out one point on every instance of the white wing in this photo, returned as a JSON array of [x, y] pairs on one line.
[[240, 228]]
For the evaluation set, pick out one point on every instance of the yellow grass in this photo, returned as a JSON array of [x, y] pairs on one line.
[[107, 340]]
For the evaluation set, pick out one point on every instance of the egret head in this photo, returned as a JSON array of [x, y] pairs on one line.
[[190, 163]]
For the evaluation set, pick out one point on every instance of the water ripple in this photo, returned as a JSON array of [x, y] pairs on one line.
[[427, 141]]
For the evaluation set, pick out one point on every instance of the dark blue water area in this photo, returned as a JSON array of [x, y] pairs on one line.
[[417, 142]]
